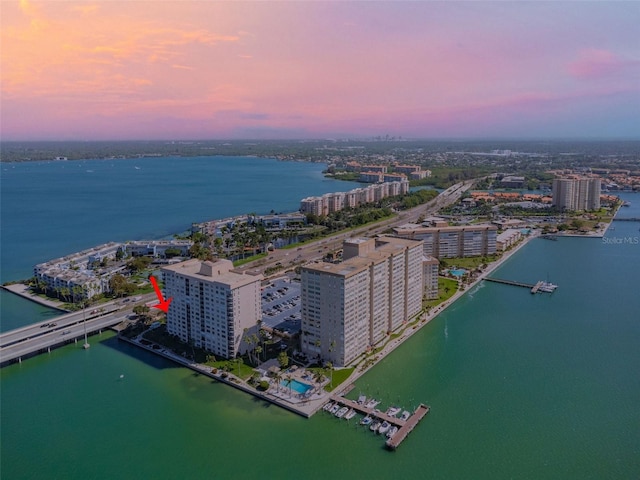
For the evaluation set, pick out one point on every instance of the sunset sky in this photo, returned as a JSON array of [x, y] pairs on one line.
[[187, 69]]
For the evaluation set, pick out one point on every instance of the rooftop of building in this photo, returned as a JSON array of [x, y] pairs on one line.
[[217, 270]]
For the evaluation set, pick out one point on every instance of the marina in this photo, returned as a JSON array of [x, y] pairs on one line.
[[385, 423], [540, 287]]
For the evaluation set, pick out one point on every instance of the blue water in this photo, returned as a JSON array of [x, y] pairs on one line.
[[458, 272], [521, 386], [52, 209], [296, 386]]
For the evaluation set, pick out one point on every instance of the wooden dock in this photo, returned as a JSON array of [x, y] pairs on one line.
[[509, 282], [404, 426], [534, 288], [409, 425], [358, 407]]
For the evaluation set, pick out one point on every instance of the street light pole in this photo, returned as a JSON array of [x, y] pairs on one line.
[[84, 322]]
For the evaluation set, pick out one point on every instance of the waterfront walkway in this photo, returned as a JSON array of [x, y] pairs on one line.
[[24, 291]]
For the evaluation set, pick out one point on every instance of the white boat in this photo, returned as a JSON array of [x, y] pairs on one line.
[[362, 399], [547, 287], [392, 411], [341, 413], [327, 406], [366, 420], [384, 428], [372, 403], [392, 431], [335, 409], [374, 426], [350, 414], [405, 415]]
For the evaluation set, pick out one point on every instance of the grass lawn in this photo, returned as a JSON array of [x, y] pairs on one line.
[[233, 366], [447, 287], [258, 256], [469, 263], [339, 376]]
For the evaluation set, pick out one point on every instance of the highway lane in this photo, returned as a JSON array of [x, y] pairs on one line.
[[59, 336], [288, 258], [63, 322]]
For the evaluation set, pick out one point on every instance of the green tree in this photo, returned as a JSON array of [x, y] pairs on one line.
[[142, 311], [139, 264], [283, 359], [118, 285]]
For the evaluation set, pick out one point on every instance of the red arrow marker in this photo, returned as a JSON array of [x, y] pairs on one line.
[[164, 304]]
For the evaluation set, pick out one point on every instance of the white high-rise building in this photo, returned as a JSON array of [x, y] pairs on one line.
[[350, 306], [576, 193], [212, 306]]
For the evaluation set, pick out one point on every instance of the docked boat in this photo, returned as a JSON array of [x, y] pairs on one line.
[[384, 427], [547, 287], [375, 426], [327, 406], [335, 409], [362, 399], [405, 415], [366, 420], [350, 414], [372, 403], [392, 431], [341, 413], [392, 411]]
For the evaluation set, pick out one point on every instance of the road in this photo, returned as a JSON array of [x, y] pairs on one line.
[[309, 252], [65, 328]]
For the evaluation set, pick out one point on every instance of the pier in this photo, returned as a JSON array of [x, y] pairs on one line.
[[510, 282], [407, 428], [540, 286], [404, 426]]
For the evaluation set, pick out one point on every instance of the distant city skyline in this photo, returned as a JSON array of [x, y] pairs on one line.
[[273, 70]]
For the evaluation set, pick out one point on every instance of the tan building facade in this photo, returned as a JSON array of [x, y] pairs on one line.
[[350, 306], [212, 305], [448, 242], [580, 193]]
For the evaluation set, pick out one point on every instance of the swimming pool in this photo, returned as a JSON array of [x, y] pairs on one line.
[[458, 272], [296, 386]]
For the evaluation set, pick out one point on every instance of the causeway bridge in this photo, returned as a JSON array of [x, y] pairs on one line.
[[42, 336]]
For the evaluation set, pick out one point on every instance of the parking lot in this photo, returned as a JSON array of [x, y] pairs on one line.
[[281, 305]]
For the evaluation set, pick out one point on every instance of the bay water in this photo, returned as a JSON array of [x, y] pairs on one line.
[[520, 386]]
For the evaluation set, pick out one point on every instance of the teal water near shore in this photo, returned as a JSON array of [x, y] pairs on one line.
[[521, 386]]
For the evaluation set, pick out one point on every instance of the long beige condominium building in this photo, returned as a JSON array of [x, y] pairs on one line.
[[212, 305], [576, 193], [351, 306], [448, 242]]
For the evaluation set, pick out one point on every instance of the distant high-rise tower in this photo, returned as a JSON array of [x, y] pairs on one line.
[[576, 193]]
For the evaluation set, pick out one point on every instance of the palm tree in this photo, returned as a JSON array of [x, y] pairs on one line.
[[278, 378], [289, 378], [329, 366]]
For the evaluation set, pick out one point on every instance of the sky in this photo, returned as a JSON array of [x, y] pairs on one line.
[[185, 69]]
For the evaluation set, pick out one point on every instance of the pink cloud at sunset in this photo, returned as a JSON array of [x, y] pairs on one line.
[[193, 69]]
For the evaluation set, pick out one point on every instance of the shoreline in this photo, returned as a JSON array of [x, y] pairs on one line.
[[425, 318], [22, 290], [309, 407]]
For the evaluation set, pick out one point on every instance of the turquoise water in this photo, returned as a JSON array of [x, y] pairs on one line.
[[520, 386], [458, 272], [296, 386]]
